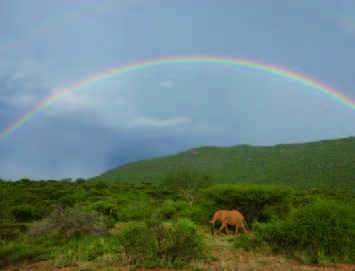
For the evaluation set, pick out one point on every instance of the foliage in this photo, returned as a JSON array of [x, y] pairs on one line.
[[68, 224], [105, 208], [247, 243], [202, 212], [133, 239], [184, 241], [326, 164], [23, 213], [110, 223], [155, 244], [322, 229], [249, 199], [167, 209], [51, 238], [186, 182]]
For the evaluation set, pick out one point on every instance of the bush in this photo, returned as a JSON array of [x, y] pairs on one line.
[[154, 244], [67, 201], [23, 213], [167, 209], [137, 211], [133, 207], [181, 207], [245, 242], [69, 223], [133, 240], [110, 223], [323, 229], [18, 251], [107, 209], [201, 213], [277, 211], [184, 241]]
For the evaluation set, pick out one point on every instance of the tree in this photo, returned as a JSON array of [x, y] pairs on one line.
[[186, 183]]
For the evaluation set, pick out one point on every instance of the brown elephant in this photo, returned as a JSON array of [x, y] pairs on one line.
[[228, 217]]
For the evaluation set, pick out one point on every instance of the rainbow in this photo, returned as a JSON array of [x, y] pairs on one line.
[[244, 63]]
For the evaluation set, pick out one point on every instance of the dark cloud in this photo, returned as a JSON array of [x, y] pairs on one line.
[[165, 109]]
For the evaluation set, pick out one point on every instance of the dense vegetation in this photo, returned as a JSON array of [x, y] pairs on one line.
[[98, 224], [164, 222], [328, 164]]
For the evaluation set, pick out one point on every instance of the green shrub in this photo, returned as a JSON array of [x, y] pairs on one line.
[[181, 207], [137, 211], [17, 251], [185, 242], [69, 223], [133, 207], [201, 213], [277, 211], [247, 243], [23, 213], [323, 229], [110, 223], [107, 209], [154, 244], [167, 209], [133, 240], [67, 201]]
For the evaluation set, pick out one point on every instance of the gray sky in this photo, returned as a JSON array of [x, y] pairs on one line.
[[48, 45]]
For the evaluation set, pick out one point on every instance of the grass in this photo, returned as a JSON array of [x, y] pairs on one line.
[[92, 253]]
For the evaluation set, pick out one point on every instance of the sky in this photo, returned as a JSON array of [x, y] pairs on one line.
[[47, 46]]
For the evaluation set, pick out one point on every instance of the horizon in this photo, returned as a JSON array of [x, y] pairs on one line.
[[180, 151]]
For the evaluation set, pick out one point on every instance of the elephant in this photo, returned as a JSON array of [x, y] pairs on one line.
[[228, 217]]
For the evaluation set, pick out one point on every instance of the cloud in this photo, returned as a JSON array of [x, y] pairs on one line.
[[346, 23], [341, 14], [158, 123], [203, 125], [23, 84], [166, 84]]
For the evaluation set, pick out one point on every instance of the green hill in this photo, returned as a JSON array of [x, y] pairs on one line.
[[326, 164]]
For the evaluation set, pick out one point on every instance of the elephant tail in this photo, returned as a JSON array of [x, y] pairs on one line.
[[215, 217]]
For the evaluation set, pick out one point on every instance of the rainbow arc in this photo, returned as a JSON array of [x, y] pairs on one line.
[[135, 67]]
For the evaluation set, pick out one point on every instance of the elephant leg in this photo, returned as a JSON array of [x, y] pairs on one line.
[[221, 228], [236, 230], [224, 225]]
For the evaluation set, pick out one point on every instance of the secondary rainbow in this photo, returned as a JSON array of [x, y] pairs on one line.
[[244, 63]]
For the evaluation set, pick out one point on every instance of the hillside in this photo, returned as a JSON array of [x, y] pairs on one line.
[[328, 164]]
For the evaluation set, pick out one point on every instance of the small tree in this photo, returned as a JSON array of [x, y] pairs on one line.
[[186, 183]]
